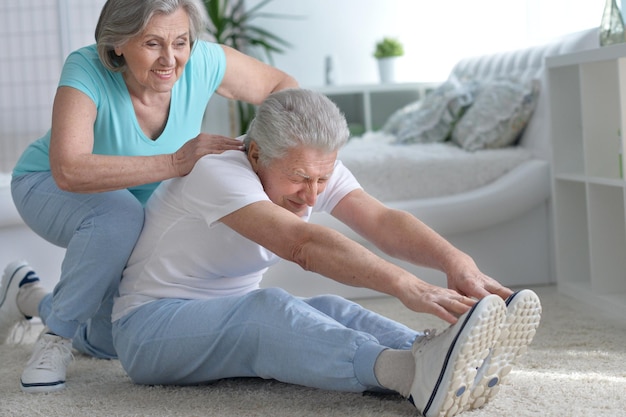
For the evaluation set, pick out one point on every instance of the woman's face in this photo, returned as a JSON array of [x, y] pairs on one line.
[[157, 57], [295, 181]]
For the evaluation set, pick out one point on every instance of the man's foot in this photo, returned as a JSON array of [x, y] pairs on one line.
[[523, 314], [46, 369], [446, 364], [16, 274]]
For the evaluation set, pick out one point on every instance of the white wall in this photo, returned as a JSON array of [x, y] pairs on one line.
[[436, 34]]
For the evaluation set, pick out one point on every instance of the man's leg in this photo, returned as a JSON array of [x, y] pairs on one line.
[[388, 332], [267, 333]]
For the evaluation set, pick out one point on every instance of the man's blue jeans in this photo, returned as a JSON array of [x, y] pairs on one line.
[[324, 342]]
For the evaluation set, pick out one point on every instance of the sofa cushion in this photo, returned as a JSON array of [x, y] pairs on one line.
[[500, 112], [431, 119]]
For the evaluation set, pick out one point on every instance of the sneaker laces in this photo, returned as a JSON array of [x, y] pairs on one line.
[[49, 353], [19, 331], [428, 335]]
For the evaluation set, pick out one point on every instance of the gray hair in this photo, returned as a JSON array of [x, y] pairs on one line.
[[296, 117], [121, 20]]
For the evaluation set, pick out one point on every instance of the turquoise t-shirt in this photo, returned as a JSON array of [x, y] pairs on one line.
[[116, 129]]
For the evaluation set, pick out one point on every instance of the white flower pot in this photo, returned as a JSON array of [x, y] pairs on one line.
[[387, 69]]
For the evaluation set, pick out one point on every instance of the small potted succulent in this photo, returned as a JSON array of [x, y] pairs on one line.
[[386, 52]]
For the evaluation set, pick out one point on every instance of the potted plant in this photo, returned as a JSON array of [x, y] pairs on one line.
[[386, 52], [231, 25]]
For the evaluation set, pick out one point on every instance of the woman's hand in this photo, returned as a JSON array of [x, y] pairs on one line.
[[186, 157]]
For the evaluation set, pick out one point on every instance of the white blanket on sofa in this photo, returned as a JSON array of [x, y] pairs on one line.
[[392, 172]]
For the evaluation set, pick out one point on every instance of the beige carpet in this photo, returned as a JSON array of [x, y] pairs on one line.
[[576, 367]]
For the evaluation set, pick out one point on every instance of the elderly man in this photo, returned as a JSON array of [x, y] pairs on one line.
[[190, 309]]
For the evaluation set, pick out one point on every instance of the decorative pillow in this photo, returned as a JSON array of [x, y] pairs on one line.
[[431, 119], [500, 112]]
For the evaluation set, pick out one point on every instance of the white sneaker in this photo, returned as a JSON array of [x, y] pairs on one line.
[[446, 364], [46, 369], [523, 314], [15, 275]]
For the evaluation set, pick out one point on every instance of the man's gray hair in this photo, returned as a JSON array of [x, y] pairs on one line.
[[121, 20], [296, 117]]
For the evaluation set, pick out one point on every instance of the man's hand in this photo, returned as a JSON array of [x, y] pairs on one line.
[[468, 280], [444, 303]]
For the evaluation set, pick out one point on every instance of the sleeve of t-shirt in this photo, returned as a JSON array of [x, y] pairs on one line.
[[82, 70], [340, 184], [221, 184], [209, 61]]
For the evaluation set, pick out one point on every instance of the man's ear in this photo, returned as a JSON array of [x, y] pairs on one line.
[[253, 155]]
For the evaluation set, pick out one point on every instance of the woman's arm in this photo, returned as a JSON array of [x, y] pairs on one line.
[[75, 168], [251, 80]]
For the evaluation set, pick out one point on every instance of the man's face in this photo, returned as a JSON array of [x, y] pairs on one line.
[[294, 181]]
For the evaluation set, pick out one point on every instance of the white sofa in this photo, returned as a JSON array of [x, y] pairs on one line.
[[505, 224]]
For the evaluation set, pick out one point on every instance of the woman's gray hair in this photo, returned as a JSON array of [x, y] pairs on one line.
[[296, 117], [121, 20]]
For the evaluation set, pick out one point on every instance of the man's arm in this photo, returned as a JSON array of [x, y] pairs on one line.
[[401, 235], [329, 253]]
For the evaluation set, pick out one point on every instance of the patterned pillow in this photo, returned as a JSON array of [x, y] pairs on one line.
[[431, 119], [500, 112]]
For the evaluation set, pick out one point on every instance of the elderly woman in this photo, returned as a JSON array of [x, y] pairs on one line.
[[127, 115], [190, 309]]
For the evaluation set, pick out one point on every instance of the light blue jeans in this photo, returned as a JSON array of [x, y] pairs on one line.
[[324, 342], [99, 231]]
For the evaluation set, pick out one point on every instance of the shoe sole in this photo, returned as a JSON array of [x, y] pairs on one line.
[[42, 388], [519, 327], [470, 347]]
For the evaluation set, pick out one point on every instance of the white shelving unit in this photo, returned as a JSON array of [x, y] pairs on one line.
[[588, 105], [367, 107]]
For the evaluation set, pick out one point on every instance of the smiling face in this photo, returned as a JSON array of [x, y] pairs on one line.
[[157, 57], [294, 181]]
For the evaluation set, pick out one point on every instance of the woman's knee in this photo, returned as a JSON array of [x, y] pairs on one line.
[[120, 216], [125, 209]]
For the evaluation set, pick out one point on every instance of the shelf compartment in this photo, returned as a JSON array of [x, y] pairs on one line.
[[571, 241], [607, 238], [601, 117], [385, 103], [353, 107], [567, 138]]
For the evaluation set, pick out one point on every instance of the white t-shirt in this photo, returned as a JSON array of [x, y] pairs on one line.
[[185, 252]]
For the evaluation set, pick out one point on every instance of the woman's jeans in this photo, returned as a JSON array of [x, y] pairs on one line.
[[99, 231], [324, 342]]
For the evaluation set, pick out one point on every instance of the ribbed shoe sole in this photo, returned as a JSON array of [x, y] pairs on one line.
[[519, 327], [471, 346]]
